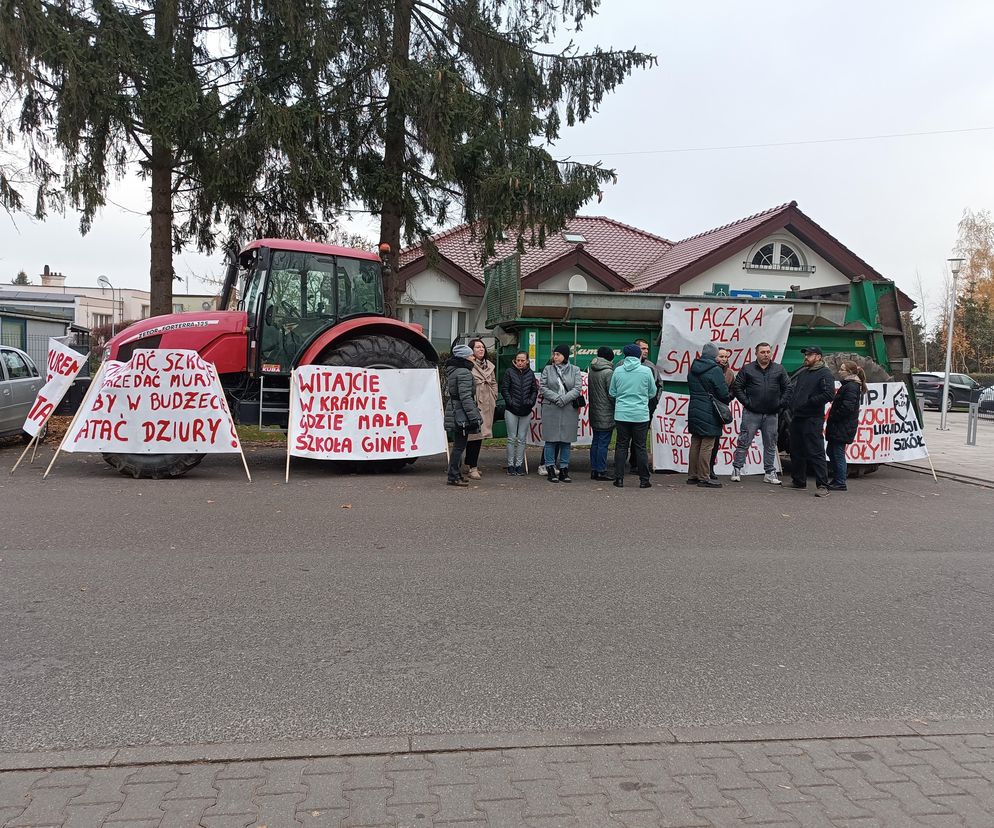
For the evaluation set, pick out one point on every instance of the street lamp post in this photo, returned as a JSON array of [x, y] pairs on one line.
[[104, 282], [944, 401]]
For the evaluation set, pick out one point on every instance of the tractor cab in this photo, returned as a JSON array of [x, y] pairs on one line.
[[294, 291]]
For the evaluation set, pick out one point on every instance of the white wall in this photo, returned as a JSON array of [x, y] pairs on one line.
[[561, 281], [433, 289], [731, 272]]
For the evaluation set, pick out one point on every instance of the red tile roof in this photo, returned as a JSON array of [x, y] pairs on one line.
[[689, 250], [643, 260], [623, 249]]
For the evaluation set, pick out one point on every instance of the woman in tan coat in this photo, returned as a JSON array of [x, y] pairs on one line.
[[485, 377]]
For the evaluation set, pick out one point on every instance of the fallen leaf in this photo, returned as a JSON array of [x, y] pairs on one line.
[[346, 505]]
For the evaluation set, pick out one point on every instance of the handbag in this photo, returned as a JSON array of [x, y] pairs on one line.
[[723, 411], [579, 402]]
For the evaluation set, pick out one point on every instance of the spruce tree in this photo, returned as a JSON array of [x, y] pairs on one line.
[[216, 104], [451, 108], [271, 117]]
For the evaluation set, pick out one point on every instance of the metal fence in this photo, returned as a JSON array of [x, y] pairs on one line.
[[36, 347]]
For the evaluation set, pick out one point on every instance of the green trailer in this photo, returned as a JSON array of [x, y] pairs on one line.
[[860, 319]]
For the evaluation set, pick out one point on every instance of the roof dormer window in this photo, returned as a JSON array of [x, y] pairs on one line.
[[778, 255]]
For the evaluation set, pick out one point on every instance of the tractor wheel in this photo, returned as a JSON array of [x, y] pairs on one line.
[[153, 466], [375, 351], [874, 371]]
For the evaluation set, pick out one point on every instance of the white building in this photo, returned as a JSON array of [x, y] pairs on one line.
[[95, 306], [771, 253]]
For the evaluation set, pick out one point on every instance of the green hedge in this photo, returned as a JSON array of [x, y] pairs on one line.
[[984, 379]]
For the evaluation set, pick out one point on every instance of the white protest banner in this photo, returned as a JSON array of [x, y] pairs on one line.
[[159, 402], [688, 324], [888, 429], [63, 365], [584, 433], [365, 413], [671, 440]]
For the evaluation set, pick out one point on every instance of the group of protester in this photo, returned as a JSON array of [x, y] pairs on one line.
[[623, 397]]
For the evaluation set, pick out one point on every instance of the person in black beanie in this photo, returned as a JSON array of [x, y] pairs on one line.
[[462, 415], [601, 411]]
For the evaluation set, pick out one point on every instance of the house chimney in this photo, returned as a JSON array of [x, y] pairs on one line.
[[50, 279]]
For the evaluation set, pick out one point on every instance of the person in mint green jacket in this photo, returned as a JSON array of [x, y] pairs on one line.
[[632, 386]]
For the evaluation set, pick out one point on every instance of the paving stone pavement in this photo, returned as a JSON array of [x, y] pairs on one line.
[[931, 780]]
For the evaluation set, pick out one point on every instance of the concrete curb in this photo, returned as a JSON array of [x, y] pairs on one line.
[[946, 475], [458, 742]]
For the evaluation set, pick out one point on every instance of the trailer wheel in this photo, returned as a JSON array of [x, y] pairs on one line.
[[153, 466], [375, 351], [875, 372]]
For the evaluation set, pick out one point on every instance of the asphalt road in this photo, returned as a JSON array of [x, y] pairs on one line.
[[210, 609]]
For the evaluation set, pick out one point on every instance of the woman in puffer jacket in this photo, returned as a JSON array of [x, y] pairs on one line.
[[843, 420], [519, 389], [462, 415]]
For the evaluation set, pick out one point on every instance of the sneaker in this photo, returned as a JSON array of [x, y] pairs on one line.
[[512, 470], [692, 481], [737, 475], [542, 470], [459, 482], [796, 485], [519, 471], [619, 483], [708, 484], [771, 478], [821, 491], [645, 484], [474, 474], [835, 487], [564, 475]]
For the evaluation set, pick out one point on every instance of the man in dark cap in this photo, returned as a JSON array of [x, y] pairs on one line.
[[812, 388], [601, 411]]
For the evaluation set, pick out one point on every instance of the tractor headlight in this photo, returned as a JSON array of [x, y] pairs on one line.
[[106, 353]]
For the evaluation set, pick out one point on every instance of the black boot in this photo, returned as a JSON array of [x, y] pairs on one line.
[[564, 475], [550, 474]]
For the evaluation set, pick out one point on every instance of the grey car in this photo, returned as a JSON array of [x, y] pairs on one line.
[[20, 382]]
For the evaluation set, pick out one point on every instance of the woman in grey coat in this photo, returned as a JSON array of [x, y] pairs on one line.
[[560, 387]]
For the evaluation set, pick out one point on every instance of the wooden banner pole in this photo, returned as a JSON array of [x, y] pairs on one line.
[[231, 420], [94, 385], [31, 442]]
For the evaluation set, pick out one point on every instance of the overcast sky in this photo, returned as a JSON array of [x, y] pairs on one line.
[[729, 74]]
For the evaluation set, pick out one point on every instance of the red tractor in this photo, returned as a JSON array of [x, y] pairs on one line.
[[299, 303]]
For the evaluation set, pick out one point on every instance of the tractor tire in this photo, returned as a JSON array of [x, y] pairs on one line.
[[153, 466], [375, 351], [874, 371]]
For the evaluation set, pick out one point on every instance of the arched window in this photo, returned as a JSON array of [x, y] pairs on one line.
[[764, 256], [778, 255], [788, 257]]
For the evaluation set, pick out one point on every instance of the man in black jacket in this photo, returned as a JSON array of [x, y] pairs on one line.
[[761, 387], [812, 389]]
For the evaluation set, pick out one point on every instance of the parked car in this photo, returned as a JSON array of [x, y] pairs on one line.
[[986, 400], [20, 382], [962, 389]]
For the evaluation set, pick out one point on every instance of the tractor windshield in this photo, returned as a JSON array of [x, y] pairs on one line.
[[306, 293]]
